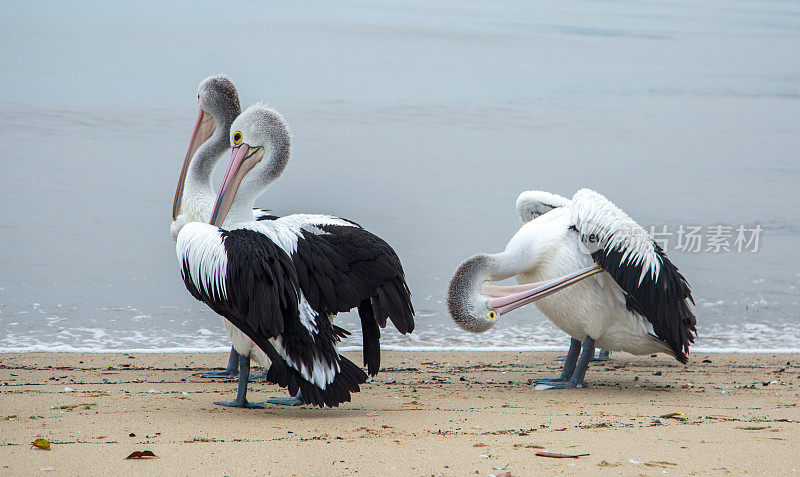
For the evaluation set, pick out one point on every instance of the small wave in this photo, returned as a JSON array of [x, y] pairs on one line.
[[516, 334]]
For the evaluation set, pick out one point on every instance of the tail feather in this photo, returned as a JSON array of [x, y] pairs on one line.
[[346, 381], [378, 308], [394, 302]]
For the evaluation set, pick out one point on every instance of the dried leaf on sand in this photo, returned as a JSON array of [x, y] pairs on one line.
[[556, 455], [676, 415], [141, 455], [41, 444]]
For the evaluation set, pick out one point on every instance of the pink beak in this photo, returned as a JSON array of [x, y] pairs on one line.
[[507, 298], [203, 129], [243, 158], [226, 193]]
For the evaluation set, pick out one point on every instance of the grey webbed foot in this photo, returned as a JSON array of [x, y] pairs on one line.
[[579, 356], [287, 401], [560, 385], [546, 380], [244, 404], [227, 374]]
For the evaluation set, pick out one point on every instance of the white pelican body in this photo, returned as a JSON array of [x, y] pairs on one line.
[[594, 307], [592, 270]]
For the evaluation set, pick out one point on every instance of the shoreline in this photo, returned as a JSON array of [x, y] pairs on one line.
[[440, 413]]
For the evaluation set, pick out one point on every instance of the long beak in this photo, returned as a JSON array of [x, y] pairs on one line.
[[243, 158], [203, 129], [506, 298]]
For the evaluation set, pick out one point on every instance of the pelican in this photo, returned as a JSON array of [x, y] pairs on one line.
[[614, 288], [194, 199], [533, 203], [279, 283]]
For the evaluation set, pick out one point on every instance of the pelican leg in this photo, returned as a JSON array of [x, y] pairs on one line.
[[602, 355], [288, 401], [231, 371], [576, 381], [260, 378], [241, 394], [570, 361]]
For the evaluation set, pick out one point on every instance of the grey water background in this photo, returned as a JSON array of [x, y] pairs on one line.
[[421, 120]]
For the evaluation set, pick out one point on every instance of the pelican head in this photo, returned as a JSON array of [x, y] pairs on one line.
[[475, 303], [261, 147], [219, 106], [468, 307]]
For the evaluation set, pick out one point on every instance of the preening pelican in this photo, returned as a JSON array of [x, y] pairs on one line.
[[218, 103], [615, 289], [278, 283]]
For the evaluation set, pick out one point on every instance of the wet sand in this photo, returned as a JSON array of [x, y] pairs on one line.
[[426, 413]]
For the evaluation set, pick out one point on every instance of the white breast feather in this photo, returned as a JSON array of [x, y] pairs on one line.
[[201, 246]]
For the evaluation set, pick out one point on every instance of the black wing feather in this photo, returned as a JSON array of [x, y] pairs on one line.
[[345, 265], [264, 305], [661, 300]]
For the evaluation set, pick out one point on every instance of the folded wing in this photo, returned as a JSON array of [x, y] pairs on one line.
[[654, 287]]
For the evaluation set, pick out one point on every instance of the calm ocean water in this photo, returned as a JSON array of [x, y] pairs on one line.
[[420, 120]]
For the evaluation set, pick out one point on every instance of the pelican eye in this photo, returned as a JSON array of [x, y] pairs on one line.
[[237, 138], [491, 315]]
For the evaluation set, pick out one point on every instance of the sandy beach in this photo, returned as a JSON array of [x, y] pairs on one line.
[[426, 413]]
